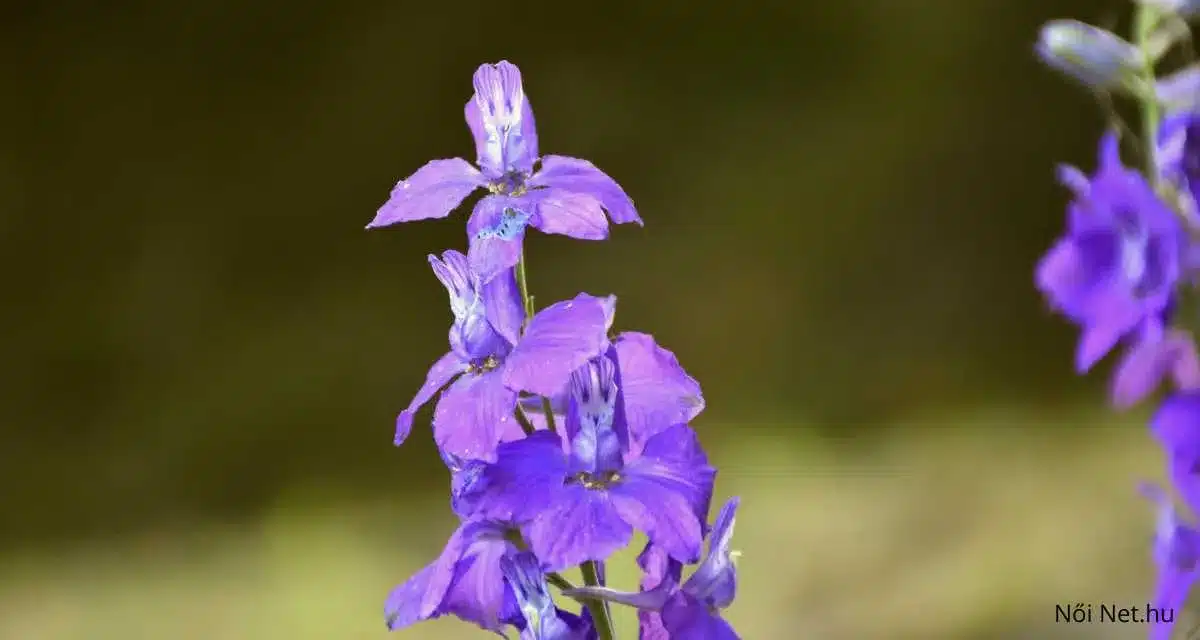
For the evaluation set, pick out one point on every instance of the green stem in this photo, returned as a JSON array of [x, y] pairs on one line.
[[1144, 22], [523, 285], [598, 609], [523, 420], [549, 411], [559, 581]]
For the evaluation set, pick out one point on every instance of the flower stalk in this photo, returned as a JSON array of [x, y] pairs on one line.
[[533, 502]]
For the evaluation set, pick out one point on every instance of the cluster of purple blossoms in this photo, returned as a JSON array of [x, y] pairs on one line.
[[561, 438], [1127, 267]]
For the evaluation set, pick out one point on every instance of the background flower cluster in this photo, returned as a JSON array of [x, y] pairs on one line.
[[1125, 270]]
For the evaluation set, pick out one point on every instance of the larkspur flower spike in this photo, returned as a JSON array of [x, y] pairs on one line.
[[560, 438]]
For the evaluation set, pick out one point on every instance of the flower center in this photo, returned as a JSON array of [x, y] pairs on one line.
[[1133, 256], [595, 481], [510, 184], [483, 365]]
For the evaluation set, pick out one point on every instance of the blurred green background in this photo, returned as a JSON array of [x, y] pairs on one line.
[[204, 351]]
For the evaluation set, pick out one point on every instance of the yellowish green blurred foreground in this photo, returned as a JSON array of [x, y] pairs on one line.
[[964, 528]]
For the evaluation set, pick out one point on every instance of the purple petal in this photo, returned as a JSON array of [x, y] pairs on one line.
[[663, 491], [581, 176], [685, 618], [1096, 342], [1176, 424], [501, 121], [1183, 468], [503, 307], [524, 573], [1072, 178], [676, 458], [715, 581], [581, 524], [658, 392], [478, 591], [596, 447], [1180, 91], [1060, 277], [497, 230], [651, 627], [575, 215], [432, 192], [454, 272], [1171, 591], [443, 572], [660, 573], [1176, 548], [403, 605], [439, 376], [468, 482], [474, 415], [658, 568], [1145, 365], [420, 598], [558, 340], [610, 312], [526, 478]]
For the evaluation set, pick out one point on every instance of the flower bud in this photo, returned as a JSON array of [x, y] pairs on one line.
[[1097, 58]]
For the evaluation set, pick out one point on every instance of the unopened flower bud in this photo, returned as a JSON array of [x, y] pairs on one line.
[[1097, 58]]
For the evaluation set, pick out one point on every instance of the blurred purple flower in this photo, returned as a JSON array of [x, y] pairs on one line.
[[1171, 355], [1176, 553], [1179, 92], [1178, 157], [555, 194], [1117, 265], [1176, 427]]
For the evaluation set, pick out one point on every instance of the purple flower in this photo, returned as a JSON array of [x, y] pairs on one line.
[[583, 502], [1176, 426], [691, 610], [655, 390], [465, 581], [1170, 354], [555, 194], [1117, 265], [540, 619], [1178, 157], [1093, 56], [1176, 554], [490, 361]]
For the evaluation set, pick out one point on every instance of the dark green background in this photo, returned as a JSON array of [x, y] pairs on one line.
[[843, 204]]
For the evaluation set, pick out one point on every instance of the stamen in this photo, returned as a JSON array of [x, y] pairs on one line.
[[483, 366]]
